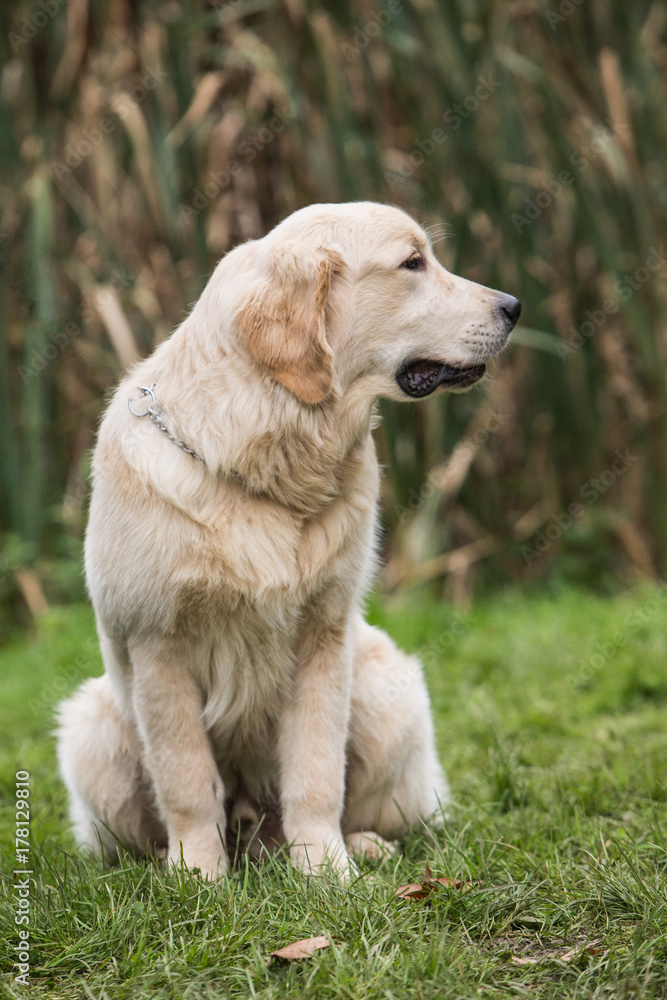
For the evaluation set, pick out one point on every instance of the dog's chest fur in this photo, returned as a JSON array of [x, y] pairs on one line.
[[277, 576], [236, 579]]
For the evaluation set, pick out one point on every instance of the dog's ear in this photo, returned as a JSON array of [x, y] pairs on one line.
[[283, 320]]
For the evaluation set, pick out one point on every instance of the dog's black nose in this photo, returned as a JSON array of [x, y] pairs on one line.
[[510, 309]]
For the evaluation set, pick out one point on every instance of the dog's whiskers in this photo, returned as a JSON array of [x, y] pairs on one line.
[[437, 232]]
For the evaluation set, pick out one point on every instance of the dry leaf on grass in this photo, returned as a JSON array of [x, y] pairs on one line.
[[588, 949], [569, 956], [420, 890], [300, 949]]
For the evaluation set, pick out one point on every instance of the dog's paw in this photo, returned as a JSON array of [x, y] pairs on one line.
[[209, 869], [330, 858], [202, 854], [369, 845]]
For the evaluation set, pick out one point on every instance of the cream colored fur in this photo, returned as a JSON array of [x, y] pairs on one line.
[[240, 677]]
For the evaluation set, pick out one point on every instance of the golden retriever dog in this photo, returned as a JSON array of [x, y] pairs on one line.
[[231, 542]]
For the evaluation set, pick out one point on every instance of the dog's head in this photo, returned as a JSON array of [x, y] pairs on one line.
[[352, 295]]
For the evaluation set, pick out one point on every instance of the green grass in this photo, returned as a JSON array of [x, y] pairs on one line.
[[557, 754]]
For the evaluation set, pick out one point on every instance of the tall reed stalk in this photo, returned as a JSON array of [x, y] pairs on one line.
[[139, 141]]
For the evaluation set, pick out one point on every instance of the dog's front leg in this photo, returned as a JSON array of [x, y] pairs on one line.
[[312, 736], [189, 791]]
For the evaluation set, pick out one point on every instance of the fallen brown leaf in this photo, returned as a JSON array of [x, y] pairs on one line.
[[451, 883], [420, 890], [588, 949], [569, 956], [300, 949], [415, 890]]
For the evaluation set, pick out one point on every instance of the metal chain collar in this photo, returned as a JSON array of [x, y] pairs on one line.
[[147, 390]]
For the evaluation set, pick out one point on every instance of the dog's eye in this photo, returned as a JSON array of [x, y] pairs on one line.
[[415, 262]]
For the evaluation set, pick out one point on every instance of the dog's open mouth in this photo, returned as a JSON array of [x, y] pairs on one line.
[[422, 377]]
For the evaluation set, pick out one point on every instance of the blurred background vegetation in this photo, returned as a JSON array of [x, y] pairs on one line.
[[142, 139]]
